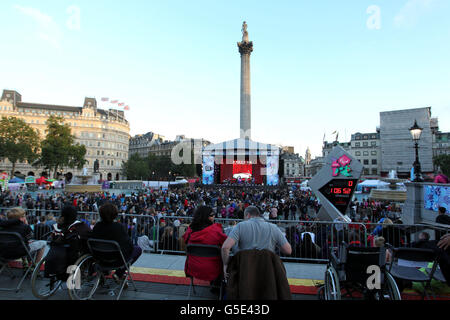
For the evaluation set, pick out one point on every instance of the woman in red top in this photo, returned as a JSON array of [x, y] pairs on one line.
[[203, 230]]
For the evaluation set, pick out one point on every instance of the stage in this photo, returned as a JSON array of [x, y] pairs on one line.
[[240, 161]]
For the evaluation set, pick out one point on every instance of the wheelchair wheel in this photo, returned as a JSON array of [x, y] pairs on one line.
[[85, 278], [332, 288], [43, 287], [390, 289], [321, 293]]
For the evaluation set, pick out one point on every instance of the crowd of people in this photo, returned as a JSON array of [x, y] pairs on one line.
[[167, 213]]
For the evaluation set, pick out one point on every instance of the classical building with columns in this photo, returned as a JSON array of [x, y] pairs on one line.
[[104, 133]]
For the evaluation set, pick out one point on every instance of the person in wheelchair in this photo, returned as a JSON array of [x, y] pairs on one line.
[[68, 242], [17, 222], [108, 229]]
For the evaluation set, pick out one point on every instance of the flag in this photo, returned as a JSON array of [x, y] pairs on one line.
[[121, 104], [333, 132], [105, 99], [126, 108], [114, 101]]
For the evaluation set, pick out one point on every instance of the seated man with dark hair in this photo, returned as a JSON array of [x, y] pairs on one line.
[[108, 229], [17, 222]]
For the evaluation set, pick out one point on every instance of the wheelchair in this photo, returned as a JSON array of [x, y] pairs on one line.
[[358, 272], [51, 272], [91, 270]]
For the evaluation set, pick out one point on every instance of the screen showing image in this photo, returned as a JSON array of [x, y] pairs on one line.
[[208, 170], [272, 170], [242, 169]]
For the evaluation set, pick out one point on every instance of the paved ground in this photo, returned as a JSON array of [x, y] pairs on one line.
[[171, 267]]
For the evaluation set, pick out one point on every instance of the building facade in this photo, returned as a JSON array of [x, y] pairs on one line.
[[293, 165], [365, 147], [142, 143], [397, 146], [314, 166], [104, 133]]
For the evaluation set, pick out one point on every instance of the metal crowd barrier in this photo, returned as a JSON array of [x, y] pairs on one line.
[[311, 241]]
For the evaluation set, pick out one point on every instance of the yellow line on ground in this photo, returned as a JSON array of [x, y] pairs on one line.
[[180, 273]]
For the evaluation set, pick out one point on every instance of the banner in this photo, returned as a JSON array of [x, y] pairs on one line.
[[435, 197], [4, 178]]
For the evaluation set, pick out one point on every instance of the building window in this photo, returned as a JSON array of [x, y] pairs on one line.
[[358, 138], [374, 161], [366, 153], [366, 161], [357, 144], [365, 144], [374, 153], [366, 171], [373, 143], [374, 171]]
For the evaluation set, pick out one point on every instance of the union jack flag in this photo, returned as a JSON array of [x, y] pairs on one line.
[[121, 104], [114, 101], [105, 99], [126, 108]]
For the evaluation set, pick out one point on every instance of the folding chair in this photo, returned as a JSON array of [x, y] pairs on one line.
[[14, 240], [108, 257], [406, 263], [204, 251]]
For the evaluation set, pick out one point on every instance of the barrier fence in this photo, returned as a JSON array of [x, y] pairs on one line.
[[311, 241]]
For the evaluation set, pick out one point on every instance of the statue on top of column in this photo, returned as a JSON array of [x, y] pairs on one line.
[[244, 32]]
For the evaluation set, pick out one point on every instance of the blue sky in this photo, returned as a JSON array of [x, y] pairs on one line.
[[317, 66]]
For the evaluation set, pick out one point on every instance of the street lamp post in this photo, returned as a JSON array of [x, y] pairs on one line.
[[416, 131]]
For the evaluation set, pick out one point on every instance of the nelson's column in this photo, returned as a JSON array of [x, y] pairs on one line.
[[245, 49]]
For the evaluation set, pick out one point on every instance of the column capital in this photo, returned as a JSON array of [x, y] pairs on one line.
[[245, 47]]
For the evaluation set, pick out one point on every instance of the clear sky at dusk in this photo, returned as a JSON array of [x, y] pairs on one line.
[[317, 66]]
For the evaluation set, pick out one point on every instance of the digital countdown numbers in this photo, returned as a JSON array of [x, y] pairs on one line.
[[339, 192]]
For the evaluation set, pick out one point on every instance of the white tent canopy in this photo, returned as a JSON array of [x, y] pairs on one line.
[[372, 184]]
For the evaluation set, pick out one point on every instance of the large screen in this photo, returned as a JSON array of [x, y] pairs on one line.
[[208, 170], [339, 192], [272, 170], [242, 170]]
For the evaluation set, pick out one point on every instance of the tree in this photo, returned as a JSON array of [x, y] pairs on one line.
[[59, 149], [18, 141], [443, 161], [136, 168]]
